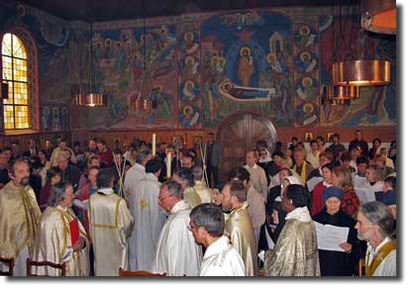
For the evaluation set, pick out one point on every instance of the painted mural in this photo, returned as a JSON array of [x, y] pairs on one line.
[[306, 73], [55, 118], [247, 64], [194, 71], [189, 77]]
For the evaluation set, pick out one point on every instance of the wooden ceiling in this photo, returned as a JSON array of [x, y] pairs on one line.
[[109, 10]]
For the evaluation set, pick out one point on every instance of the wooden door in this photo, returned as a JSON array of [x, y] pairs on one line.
[[239, 134]]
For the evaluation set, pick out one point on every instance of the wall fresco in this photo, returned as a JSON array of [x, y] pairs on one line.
[[192, 71]]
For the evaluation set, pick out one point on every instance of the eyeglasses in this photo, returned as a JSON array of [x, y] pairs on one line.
[[161, 199]]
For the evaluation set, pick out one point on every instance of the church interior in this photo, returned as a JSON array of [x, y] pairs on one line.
[[176, 72]]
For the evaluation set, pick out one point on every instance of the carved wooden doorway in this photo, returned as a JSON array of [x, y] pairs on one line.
[[238, 134]]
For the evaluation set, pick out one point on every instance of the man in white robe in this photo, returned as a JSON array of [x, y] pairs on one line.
[[19, 217], [137, 172], [177, 254], [375, 224], [54, 242], [221, 258], [149, 218], [111, 223], [258, 175]]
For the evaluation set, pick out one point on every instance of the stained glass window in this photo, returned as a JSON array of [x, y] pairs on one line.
[[14, 60]]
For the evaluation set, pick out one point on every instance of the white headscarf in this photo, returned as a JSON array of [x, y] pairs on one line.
[[267, 159]]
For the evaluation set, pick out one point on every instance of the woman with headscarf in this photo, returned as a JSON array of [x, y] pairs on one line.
[[266, 162], [337, 263]]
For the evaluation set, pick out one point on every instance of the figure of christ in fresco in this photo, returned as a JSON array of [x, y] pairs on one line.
[[246, 66]]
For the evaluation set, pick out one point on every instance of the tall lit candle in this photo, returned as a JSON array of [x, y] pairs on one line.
[[169, 165], [154, 144]]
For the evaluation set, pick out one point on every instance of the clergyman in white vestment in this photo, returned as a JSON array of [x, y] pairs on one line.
[[149, 218], [111, 223], [177, 254], [54, 242]]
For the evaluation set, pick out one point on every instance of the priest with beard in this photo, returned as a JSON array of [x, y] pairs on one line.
[[177, 253], [238, 225], [296, 251], [19, 217]]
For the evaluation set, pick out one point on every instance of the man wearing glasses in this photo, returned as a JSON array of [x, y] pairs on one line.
[[177, 254]]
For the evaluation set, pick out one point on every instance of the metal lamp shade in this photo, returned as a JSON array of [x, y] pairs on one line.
[[361, 73]]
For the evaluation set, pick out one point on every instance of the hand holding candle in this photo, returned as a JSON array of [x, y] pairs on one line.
[[168, 165], [154, 144]]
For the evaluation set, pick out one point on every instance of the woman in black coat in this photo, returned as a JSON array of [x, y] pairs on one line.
[[335, 263]]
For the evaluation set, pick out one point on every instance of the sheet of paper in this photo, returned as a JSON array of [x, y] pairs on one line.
[[365, 195], [330, 236]]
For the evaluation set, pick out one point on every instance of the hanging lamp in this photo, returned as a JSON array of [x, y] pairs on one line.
[[90, 98], [361, 73], [379, 16]]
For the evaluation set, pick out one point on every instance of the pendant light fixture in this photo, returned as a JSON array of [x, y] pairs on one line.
[[90, 96], [379, 16]]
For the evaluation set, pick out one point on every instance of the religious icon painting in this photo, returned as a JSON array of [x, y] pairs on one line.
[[305, 36], [306, 62], [306, 88], [307, 115], [189, 116]]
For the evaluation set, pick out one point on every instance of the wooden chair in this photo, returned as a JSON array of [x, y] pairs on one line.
[[8, 262], [139, 273], [31, 263]]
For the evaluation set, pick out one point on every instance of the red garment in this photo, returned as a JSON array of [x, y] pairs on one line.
[[317, 200], [106, 157], [350, 202], [44, 195], [84, 195]]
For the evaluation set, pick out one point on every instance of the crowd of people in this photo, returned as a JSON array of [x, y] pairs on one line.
[[100, 210]]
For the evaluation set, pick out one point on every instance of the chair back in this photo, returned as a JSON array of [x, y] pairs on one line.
[[31, 263], [8, 262], [139, 273]]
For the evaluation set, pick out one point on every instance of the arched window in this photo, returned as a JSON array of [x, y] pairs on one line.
[[14, 73]]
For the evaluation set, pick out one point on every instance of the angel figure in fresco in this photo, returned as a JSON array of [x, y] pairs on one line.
[[246, 66]]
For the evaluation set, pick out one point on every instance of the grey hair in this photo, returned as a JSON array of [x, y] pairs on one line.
[[379, 214], [197, 171], [174, 188], [58, 193], [209, 216], [143, 155]]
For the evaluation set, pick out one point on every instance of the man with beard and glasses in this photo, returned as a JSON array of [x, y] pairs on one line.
[[19, 217]]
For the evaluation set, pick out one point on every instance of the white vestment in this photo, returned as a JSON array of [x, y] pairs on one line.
[[177, 253], [222, 259], [54, 243], [149, 219], [204, 192], [111, 224], [388, 266], [134, 176], [258, 180], [256, 209]]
